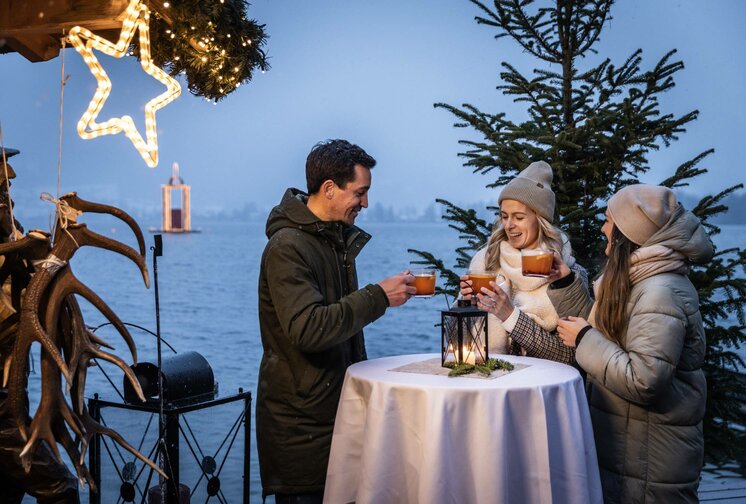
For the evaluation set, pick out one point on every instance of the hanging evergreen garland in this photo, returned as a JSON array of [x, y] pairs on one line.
[[212, 42]]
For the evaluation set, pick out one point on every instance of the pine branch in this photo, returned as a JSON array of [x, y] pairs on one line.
[[510, 16], [590, 30], [687, 171], [710, 206]]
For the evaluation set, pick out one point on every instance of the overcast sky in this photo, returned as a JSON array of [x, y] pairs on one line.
[[369, 72]]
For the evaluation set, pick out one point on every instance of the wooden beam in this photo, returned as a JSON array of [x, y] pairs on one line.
[[23, 17], [34, 28], [35, 47]]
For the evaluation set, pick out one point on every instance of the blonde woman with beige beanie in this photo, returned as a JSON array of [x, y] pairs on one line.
[[644, 348], [523, 320]]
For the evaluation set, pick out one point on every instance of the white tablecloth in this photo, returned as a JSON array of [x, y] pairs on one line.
[[525, 437]]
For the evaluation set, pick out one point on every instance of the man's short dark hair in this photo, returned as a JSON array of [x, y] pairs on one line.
[[335, 160]]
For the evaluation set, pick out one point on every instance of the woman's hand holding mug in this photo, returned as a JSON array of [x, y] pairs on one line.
[[559, 269], [568, 329], [465, 285], [495, 301]]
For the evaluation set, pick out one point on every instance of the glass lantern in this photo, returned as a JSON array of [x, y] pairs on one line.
[[464, 335]]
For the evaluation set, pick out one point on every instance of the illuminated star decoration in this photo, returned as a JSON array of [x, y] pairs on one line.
[[137, 17]]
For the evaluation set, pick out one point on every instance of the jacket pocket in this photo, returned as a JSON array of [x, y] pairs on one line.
[[307, 380]]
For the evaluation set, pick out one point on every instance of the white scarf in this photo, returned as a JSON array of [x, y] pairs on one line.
[[528, 294]]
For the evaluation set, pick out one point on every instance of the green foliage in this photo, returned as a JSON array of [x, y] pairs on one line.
[[486, 369], [504, 365], [459, 369], [722, 292], [596, 124], [595, 127], [212, 42]]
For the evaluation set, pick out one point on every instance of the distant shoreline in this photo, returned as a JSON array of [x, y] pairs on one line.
[[376, 213]]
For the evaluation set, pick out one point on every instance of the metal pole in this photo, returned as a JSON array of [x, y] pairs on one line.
[[94, 452], [157, 249], [172, 457], [246, 447]]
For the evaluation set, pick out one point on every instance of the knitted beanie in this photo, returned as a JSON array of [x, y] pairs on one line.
[[640, 210], [533, 188]]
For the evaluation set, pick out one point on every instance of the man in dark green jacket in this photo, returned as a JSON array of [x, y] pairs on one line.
[[311, 316]]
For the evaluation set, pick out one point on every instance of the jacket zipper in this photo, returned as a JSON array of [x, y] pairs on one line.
[[339, 272], [341, 278]]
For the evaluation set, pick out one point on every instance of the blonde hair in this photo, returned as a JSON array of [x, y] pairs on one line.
[[549, 237]]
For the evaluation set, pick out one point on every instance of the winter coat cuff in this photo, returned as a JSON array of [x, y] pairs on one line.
[[581, 333], [510, 322], [563, 282], [382, 300]]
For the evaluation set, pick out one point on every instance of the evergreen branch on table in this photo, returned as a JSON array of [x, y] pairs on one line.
[[483, 369], [504, 365], [460, 369], [486, 369]]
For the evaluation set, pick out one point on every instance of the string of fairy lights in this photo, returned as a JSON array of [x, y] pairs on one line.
[[207, 45], [212, 43]]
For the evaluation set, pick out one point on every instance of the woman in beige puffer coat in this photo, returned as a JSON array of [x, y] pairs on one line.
[[644, 348]]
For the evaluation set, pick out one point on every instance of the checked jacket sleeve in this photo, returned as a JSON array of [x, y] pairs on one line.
[[537, 342]]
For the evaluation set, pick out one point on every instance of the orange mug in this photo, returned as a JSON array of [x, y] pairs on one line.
[[536, 262], [424, 282], [481, 278]]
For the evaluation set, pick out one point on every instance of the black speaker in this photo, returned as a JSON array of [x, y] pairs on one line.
[[186, 375]]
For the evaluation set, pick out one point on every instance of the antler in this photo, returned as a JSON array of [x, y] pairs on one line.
[[50, 315], [31, 329], [81, 205], [53, 402], [52, 406], [78, 235], [92, 427], [19, 257], [64, 286], [33, 244], [8, 328], [71, 447]]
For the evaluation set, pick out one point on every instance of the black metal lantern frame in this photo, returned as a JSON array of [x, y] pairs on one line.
[[206, 475], [464, 335]]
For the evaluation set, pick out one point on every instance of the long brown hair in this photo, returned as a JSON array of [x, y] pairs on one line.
[[613, 293], [549, 236]]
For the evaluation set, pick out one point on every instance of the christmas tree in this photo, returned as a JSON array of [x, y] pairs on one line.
[[596, 125]]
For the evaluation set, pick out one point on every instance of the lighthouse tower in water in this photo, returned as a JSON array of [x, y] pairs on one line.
[[176, 216]]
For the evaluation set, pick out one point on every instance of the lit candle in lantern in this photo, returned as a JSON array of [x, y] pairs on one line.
[[468, 356]]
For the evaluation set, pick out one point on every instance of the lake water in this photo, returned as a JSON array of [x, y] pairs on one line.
[[208, 303]]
